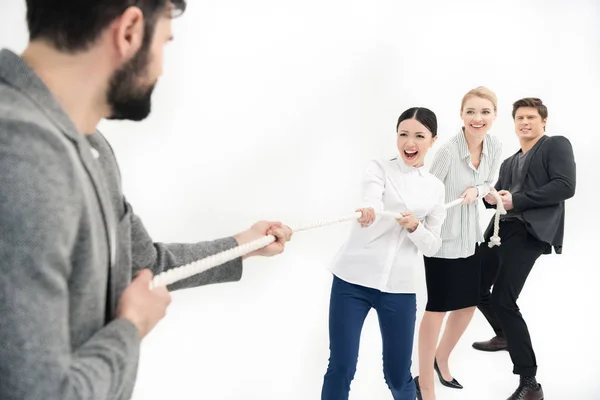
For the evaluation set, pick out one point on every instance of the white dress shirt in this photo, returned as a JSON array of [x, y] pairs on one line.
[[452, 165], [384, 255]]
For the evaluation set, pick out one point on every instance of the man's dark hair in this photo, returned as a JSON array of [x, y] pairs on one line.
[[74, 25], [533, 102]]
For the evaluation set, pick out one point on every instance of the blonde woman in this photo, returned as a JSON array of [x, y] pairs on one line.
[[467, 165]]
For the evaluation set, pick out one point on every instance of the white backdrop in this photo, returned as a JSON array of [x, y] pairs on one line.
[[270, 110]]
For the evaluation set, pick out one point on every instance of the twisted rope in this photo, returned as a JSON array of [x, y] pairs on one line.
[[185, 271], [495, 239]]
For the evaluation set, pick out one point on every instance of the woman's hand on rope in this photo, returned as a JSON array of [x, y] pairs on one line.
[[469, 196], [408, 221], [367, 217]]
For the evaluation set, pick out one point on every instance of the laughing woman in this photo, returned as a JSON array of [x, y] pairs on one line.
[[467, 165], [374, 269]]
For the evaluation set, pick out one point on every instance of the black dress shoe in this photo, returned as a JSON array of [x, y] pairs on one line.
[[419, 395], [526, 393], [451, 384]]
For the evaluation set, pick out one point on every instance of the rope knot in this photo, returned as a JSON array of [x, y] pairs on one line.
[[495, 239]]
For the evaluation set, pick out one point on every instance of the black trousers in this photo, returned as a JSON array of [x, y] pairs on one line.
[[506, 268]]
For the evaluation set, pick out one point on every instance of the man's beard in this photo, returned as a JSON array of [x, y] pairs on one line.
[[127, 97]]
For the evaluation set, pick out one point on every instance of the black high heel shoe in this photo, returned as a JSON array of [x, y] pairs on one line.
[[419, 395], [451, 384]]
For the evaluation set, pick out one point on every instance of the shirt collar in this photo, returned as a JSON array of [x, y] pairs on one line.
[[463, 147], [407, 169]]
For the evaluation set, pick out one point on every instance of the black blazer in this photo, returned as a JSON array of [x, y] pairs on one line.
[[549, 180]]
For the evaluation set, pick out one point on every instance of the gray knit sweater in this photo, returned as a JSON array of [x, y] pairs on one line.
[[69, 245]]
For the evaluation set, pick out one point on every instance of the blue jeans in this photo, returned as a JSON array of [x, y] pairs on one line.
[[348, 307]]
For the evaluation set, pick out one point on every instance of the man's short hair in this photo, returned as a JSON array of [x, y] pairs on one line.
[[74, 25]]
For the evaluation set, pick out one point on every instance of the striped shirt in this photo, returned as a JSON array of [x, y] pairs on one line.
[[452, 165]]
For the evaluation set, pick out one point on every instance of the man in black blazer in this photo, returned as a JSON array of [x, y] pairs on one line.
[[533, 184]]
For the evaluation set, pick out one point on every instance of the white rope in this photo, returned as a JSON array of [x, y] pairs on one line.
[[495, 239], [176, 274]]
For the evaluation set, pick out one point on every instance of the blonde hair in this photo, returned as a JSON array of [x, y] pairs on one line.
[[483, 93]]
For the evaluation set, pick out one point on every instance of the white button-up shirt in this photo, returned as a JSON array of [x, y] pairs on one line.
[[384, 255]]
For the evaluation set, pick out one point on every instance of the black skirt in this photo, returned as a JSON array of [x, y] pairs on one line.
[[452, 284]]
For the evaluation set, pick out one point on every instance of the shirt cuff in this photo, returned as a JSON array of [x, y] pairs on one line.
[[482, 190], [517, 200], [418, 233]]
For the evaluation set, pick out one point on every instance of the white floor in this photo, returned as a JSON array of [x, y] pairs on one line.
[[266, 337]]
